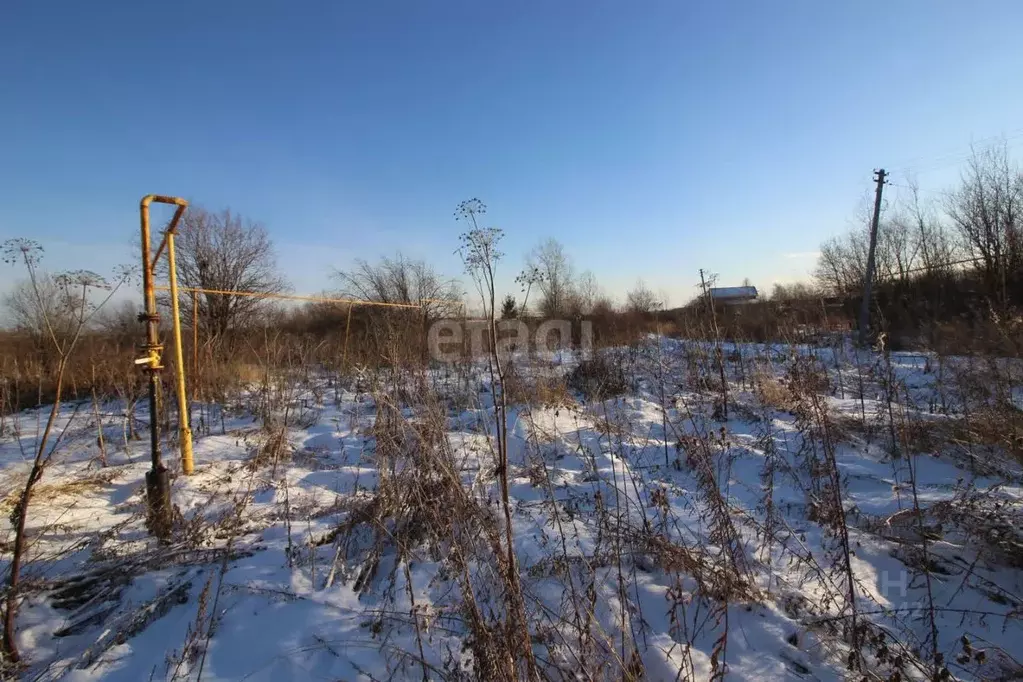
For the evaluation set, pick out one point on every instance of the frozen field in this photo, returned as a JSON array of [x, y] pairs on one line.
[[352, 529]]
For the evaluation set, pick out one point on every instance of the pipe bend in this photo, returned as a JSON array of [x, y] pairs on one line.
[[161, 199]]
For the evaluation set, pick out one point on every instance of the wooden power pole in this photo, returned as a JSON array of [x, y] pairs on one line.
[[868, 280], [706, 294]]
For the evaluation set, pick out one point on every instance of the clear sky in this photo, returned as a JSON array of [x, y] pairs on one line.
[[652, 138]]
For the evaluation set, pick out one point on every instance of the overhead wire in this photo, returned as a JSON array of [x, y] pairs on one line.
[[941, 161], [921, 189], [314, 299], [957, 153]]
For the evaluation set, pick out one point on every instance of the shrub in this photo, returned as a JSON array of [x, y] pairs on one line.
[[598, 378]]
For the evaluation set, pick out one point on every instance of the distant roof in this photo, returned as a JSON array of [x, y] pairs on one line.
[[730, 293]]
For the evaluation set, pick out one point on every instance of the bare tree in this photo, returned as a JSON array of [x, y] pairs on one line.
[[833, 267], [582, 296], [30, 305], [641, 299], [842, 263], [796, 291], [404, 281], [603, 307], [556, 276], [119, 321], [897, 251], [224, 252], [935, 246], [663, 298], [920, 252], [986, 212]]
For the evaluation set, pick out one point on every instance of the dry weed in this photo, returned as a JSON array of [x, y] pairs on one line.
[[542, 388], [772, 392], [49, 492]]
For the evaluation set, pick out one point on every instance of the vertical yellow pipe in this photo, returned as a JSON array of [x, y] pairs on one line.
[[195, 339], [184, 432]]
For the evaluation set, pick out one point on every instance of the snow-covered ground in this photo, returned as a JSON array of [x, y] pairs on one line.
[[624, 556]]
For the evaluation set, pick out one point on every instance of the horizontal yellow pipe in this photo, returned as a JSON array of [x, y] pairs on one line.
[[161, 199], [315, 299]]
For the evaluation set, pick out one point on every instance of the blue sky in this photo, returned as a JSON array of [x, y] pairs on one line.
[[651, 138]]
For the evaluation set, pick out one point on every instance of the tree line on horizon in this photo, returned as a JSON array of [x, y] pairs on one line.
[[950, 257]]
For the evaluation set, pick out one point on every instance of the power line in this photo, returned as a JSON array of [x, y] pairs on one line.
[[314, 299], [938, 266], [921, 189], [945, 159]]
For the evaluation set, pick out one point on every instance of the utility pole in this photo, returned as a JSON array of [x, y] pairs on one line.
[[718, 351], [703, 286], [868, 282], [708, 298]]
